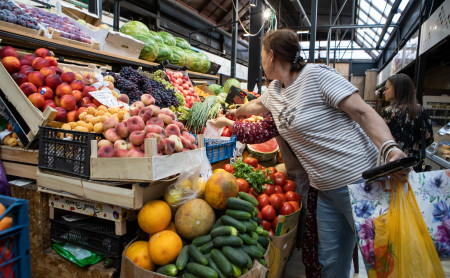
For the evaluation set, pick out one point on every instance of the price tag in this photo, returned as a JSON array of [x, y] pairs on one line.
[[106, 98]]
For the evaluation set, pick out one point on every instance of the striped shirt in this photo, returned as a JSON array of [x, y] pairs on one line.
[[333, 149]]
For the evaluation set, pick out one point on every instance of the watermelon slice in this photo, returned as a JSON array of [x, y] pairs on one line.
[[265, 151]]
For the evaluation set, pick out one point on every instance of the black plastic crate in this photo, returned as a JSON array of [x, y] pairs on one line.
[[213, 69], [66, 151]]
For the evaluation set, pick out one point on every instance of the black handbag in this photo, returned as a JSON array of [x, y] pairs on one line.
[[421, 167]]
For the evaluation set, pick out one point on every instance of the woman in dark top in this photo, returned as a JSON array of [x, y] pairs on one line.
[[405, 117]]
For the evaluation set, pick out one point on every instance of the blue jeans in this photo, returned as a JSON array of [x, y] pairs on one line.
[[336, 232]]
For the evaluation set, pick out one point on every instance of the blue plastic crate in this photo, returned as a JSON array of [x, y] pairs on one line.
[[15, 241], [219, 149]]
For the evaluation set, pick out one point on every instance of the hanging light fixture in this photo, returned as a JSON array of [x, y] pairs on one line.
[[267, 13], [253, 3]]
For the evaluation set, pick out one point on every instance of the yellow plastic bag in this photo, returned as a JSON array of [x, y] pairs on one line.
[[403, 246]]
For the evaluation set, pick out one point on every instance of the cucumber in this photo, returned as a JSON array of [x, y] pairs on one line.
[[239, 204], [189, 275], [230, 221], [108, 262], [182, 258], [265, 233], [217, 224], [245, 270], [169, 270], [221, 241], [247, 258], [236, 270], [253, 251], [264, 241], [250, 225], [259, 231], [255, 235], [197, 255], [224, 231], [248, 239], [201, 270], [214, 266], [262, 261], [257, 220], [249, 198], [222, 262], [235, 256], [237, 214], [201, 240], [206, 248]]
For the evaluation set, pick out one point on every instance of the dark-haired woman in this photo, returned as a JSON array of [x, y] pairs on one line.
[[405, 117], [328, 126]]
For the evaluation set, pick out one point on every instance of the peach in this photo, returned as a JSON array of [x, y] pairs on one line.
[[169, 146], [56, 69], [168, 112], [147, 99], [137, 137], [124, 98], [50, 103], [110, 123], [135, 123], [47, 71], [155, 129], [77, 85], [120, 153], [24, 62], [104, 142], [111, 135], [68, 77], [156, 110], [56, 99], [138, 104], [51, 61], [37, 78], [159, 141], [122, 130], [68, 102], [165, 118], [135, 153], [42, 52], [126, 116], [146, 113], [180, 126], [26, 69], [96, 102], [91, 105], [84, 101], [71, 116], [121, 144], [19, 78], [155, 121], [61, 116], [193, 147], [63, 89], [37, 100], [178, 144], [134, 111], [53, 81], [188, 136], [77, 95], [39, 63], [46, 91], [106, 151], [30, 58], [79, 76], [28, 88], [11, 64], [88, 89], [186, 143], [8, 51]]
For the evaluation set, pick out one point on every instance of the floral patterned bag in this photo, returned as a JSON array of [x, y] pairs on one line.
[[432, 191]]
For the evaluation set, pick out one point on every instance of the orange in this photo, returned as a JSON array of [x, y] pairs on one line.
[[164, 247], [137, 252], [154, 217]]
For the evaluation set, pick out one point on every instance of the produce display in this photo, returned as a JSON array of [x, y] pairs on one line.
[[201, 112], [265, 151], [183, 85], [11, 140], [92, 27], [12, 13], [7, 221], [231, 82]]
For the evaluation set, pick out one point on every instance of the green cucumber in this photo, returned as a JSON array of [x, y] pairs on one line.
[[222, 262], [239, 204], [189, 275], [201, 271], [247, 257], [262, 261], [236, 270], [264, 241], [253, 251], [245, 270], [206, 248], [217, 224], [265, 233], [224, 231], [249, 198], [197, 255], [255, 235], [237, 214], [221, 241], [182, 258], [236, 256], [248, 239], [230, 221], [257, 220], [250, 225], [201, 240], [214, 266], [259, 230], [169, 270]]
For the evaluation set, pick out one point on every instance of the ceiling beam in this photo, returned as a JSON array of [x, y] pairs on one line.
[[388, 21]]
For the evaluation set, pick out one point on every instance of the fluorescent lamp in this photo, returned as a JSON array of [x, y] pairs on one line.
[[267, 13], [302, 32], [253, 3]]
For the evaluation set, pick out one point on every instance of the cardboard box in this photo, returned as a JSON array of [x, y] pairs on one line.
[[76, 13], [280, 248], [123, 45], [286, 223]]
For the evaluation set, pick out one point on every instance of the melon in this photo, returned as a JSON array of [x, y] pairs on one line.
[[178, 57], [265, 151], [219, 187], [156, 37], [164, 52], [182, 43], [205, 63], [134, 28], [194, 218], [168, 38]]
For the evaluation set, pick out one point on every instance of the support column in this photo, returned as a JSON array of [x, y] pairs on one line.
[[419, 70], [254, 47], [116, 15], [95, 7], [312, 42], [234, 35]]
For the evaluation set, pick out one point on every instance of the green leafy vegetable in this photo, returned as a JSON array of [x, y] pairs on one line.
[[255, 177]]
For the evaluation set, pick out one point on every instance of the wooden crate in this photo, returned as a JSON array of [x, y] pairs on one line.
[[141, 169], [127, 195], [56, 35], [19, 162], [15, 28]]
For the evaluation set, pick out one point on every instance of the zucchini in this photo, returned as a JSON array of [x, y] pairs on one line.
[[239, 204], [259, 230], [248, 239], [253, 251], [224, 231], [214, 266], [217, 224], [237, 214], [235, 256], [182, 258], [236, 270], [222, 262], [249, 198], [262, 261], [189, 275], [201, 240], [257, 220], [197, 255], [230, 221], [264, 241], [206, 248], [169, 270], [221, 241], [201, 271], [250, 225]]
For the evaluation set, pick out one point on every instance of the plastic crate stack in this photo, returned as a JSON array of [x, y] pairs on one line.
[[219, 149]]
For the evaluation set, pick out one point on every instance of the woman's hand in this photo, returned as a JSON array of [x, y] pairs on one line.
[[221, 122], [399, 175], [254, 107]]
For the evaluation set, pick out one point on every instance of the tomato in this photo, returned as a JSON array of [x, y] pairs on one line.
[[226, 132], [279, 178], [251, 161], [275, 223], [271, 232], [282, 196], [286, 209], [289, 186], [295, 204], [270, 189], [266, 225], [259, 167], [251, 191], [275, 201], [263, 200], [243, 185], [259, 214], [229, 116], [293, 196], [271, 170], [268, 213], [228, 168], [277, 189]]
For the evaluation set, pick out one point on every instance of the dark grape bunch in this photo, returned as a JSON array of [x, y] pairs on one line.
[[11, 13]]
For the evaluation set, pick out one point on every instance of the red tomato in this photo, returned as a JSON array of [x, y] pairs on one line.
[[282, 196], [279, 178], [277, 189], [268, 213], [289, 186], [251, 161], [270, 189], [286, 209], [270, 171], [243, 185], [251, 191], [293, 196], [275, 223], [275, 201], [228, 168], [259, 167], [295, 204], [259, 214], [226, 132], [263, 200], [266, 225], [271, 232]]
